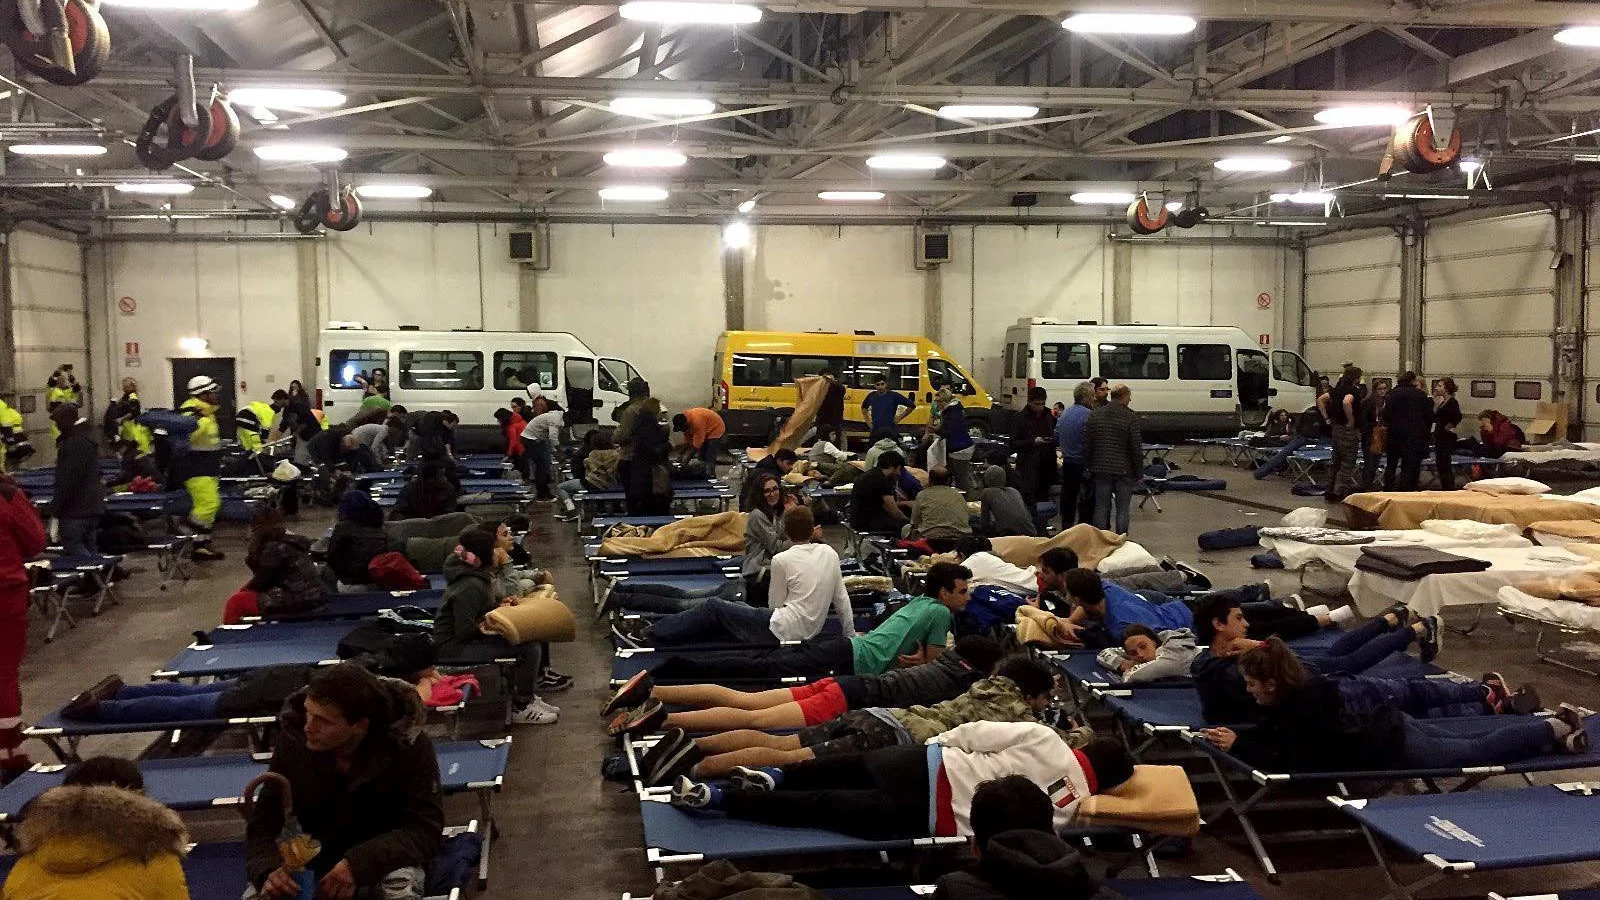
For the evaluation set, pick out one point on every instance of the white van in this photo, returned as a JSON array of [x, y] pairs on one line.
[[471, 373], [1189, 379]]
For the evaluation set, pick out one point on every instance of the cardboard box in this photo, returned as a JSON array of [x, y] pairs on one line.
[[1549, 423]]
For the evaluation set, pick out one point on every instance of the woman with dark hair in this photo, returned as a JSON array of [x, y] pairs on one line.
[[1279, 427], [429, 493], [1374, 435], [283, 578], [1446, 418], [763, 538]]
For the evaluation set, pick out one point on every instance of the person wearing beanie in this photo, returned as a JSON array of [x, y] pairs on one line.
[[1019, 855], [458, 636], [198, 469], [80, 495], [357, 538], [22, 537], [1002, 511]]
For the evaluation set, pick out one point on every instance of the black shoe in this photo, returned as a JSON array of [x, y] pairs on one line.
[[1401, 612], [206, 554], [675, 756], [553, 682], [1525, 702], [651, 758], [630, 632], [1431, 641], [83, 706], [1578, 741], [632, 693]]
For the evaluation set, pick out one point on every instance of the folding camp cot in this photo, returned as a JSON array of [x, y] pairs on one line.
[[603, 569], [1304, 462], [1155, 453], [62, 574], [590, 503], [364, 605], [243, 648], [1481, 831], [690, 584], [1236, 451], [1227, 886], [599, 524], [629, 662]]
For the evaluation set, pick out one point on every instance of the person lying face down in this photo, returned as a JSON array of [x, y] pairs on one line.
[[1019, 855], [916, 791]]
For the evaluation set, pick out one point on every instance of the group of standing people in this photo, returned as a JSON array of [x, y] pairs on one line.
[[1102, 454]]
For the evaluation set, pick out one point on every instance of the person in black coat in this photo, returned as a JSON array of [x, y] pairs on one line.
[[1033, 438], [1408, 415], [357, 537], [80, 494], [427, 495], [1446, 419], [1019, 855]]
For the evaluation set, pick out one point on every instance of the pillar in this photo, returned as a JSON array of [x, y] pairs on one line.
[[1412, 275], [1571, 276], [1121, 282], [527, 298]]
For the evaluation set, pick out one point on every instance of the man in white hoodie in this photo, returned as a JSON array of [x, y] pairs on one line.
[[806, 582], [902, 792]]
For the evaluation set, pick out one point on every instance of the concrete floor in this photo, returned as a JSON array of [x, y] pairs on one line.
[[567, 833]]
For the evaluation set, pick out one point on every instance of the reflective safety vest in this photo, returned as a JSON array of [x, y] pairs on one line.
[[206, 437]]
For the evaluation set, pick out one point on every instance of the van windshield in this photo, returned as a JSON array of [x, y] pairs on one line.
[[944, 373], [615, 375]]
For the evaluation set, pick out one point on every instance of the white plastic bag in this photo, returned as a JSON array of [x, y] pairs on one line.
[[285, 471], [1307, 517]]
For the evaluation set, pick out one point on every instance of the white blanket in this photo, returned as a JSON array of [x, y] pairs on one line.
[[1566, 612], [1428, 595]]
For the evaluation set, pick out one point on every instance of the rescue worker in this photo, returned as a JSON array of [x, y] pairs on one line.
[[14, 444], [125, 413], [255, 420], [62, 388], [199, 467]]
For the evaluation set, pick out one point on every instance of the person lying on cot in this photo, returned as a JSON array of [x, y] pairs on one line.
[[1017, 692], [1019, 855], [1114, 608], [806, 582], [914, 634], [1309, 723], [1220, 624], [1147, 655], [718, 708], [1055, 563], [916, 791]]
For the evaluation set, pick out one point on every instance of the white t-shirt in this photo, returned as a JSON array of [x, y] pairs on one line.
[[981, 751], [545, 427], [805, 582]]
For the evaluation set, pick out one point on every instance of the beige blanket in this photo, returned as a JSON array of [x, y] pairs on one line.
[[1578, 530], [713, 535], [1037, 628], [1090, 543], [1399, 510], [1156, 798], [812, 389], [538, 616], [1580, 587]]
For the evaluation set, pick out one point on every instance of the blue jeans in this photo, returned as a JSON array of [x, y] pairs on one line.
[[161, 701], [714, 620], [1109, 490], [1422, 698], [1493, 741], [566, 489], [1281, 458], [79, 537], [1359, 649], [540, 451]]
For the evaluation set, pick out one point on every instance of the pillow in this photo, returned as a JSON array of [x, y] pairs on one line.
[[1468, 530], [1588, 494], [1130, 557], [1509, 485], [1156, 798]]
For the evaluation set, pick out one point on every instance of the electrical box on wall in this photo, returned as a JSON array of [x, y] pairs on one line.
[[933, 246], [531, 246]]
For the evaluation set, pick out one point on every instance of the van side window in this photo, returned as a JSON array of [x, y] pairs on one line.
[[345, 365], [801, 366], [1135, 362], [941, 372], [1287, 366], [441, 370], [760, 370], [1068, 361], [902, 374], [615, 375], [1205, 362], [1019, 364], [518, 369]]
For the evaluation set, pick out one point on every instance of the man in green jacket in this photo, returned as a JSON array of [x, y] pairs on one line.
[[1017, 692]]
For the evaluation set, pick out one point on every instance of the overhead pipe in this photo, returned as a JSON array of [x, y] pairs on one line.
[[183, 75]]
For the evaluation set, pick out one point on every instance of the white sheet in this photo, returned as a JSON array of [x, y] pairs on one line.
[[1427, 596], [1342, 558], [1535, 457], [1567, 612]]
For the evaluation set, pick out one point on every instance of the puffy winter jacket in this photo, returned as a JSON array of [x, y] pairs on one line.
[[80, 494], [468, 597], [351, 548], [283, 573], [1023, 865], [1113, 439], [98, 843]]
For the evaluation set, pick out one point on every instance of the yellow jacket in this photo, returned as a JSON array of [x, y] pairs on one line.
[[206, 436], [131, 431], [98, 843]]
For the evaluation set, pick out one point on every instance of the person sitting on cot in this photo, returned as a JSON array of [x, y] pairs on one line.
[[916, 790], [716, 708], [1307, 723], [914, 634], [1019, 855], [1017, 692]]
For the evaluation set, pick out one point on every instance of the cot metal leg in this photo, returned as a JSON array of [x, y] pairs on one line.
[[1241, 811], [55, 606], [1476, 621], [1549, 657], [491, 830]]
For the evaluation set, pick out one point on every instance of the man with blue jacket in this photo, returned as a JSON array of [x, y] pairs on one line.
[[1077, 497]]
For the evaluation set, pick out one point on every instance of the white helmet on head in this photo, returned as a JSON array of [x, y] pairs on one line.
[[201, 384]]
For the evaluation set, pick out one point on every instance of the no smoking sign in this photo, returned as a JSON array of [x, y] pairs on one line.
[[1264, 300]]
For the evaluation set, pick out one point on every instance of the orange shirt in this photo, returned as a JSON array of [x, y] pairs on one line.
[[704, 425]]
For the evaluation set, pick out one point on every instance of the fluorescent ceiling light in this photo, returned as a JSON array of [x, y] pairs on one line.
[[1580, 36], [1281, 139], [286, 98], [1295, 224], [1363, 116], [662, 106], [301, 153], [282, 202], [637, 193], [646, 158], [1305, 198], [1253, 164], [57, 149], [678, 12], [1128, 23], [848, 196], [263, 115], [1174, 205], [394, 191], [186, 5], [987, 111], [919, 162], [1409, 196], [156, 187], [736, 236], [1105, 198], [747, 205]]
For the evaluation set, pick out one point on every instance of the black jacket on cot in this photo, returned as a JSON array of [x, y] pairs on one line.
[[1023, 864], [425, 499], [263, 691], [383, 814], [1409, 415], [1310, 730], [284, 576], [80, 494], [351, 548]]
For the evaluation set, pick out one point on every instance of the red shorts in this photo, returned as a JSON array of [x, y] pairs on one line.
[[820, 701]]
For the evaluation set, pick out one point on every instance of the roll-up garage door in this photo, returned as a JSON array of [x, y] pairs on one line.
[[1591, 348], [1488, 311], [1352, 303], [49, 321]]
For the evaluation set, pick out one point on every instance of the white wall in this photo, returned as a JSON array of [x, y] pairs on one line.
[[436, 277], [48, 320], [809, 277], [1210, 283], [1352, 303]]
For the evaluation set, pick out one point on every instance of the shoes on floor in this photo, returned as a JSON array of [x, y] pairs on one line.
[[553, 682], [536, 712], [206, 554]]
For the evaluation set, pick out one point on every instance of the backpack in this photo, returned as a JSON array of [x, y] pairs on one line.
[[171, 430], [388, 648]]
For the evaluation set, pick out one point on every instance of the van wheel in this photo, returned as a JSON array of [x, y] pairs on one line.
[[978, 429]]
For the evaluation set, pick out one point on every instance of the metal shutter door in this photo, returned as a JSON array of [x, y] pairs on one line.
[[1352, 303]]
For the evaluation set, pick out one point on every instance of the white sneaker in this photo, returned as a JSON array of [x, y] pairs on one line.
[[532, 714], [540, 703]]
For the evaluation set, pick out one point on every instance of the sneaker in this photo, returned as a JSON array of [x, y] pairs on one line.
[[1294, 600], [651, 758], [1498, 695], [553, 682], [1431, 641], [1525, 702], [1320, 609], [643, 719], [753, 778], [692, 794], [630, 632], [83, 705], [1401, 612], [674, 757], [206, 554], [1578, 741], [539, 703], [533, 714], [633, 692]]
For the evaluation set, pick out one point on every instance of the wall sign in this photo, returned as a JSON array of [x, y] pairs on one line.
[[1265, 340], [127, 306], [130, 354], [1264, 300]]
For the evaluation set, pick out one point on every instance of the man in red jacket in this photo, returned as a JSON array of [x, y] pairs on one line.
[[21, 538]]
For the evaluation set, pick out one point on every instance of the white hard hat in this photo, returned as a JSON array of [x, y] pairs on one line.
[[201, 384]]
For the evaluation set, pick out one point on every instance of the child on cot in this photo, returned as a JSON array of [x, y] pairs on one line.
[[1017, 692], [722, 708], [1019, 855], [1308, 724], [916, 791], [1147, 655]]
